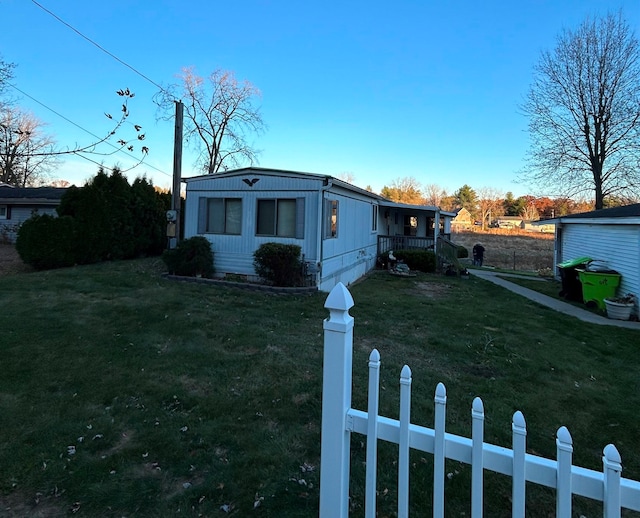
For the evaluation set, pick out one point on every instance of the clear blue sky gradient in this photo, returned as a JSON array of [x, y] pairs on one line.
[[379, 90]]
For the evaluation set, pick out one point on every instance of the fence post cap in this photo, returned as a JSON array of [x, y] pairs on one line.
[[519, 425], [612, 455], [339, 298], [564, 439], [478, 406], [441, 393], [405, 374]]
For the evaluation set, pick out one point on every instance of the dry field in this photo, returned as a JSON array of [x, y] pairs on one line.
[[511, 249]]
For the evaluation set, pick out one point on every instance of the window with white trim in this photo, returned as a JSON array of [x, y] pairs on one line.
[[374, 218], [4, 213]]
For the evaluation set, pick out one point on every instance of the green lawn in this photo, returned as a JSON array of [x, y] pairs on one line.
[[126, 394]]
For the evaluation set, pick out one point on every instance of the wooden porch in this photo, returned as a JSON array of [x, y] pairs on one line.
[[389, 243], [446, 250]]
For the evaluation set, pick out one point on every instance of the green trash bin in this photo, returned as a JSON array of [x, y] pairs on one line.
[[571, 285], [598, 285]]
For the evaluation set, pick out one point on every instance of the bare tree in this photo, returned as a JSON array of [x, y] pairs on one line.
[[220, 116], [489, 203], [433, 194], [347, 176], [404, 190], [584, 112], [6, 75], [26, 152]]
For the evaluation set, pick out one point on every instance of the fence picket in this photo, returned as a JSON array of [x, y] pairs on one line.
[[477, 461], [519, 429], [564, 454], [339, 420], [403, 450], [439, 427], [612, 466], [372, 434]]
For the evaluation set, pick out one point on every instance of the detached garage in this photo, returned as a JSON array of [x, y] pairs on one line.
[[608, 235]]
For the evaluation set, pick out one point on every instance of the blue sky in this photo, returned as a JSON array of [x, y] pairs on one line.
[[378, 90]]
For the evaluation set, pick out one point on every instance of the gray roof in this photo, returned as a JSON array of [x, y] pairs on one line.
[[627, 211], [31, 194], [281, 172]]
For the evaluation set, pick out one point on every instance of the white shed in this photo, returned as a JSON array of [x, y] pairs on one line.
[[340, 228], [608, 235]]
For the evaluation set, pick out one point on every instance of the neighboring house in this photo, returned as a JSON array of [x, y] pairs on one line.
[[535, 226], [462, 219], [608, 235], [508, 222], [17, 204], [340, 228]]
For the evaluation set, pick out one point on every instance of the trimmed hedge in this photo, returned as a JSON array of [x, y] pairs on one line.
[[45, 241], [421, 260], [190, 258], [107, 219], [279, 264]]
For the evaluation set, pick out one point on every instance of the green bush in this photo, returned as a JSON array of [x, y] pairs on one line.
[[45, 241], [115, 220], [462, 252], [421, 260], [279, 264], [190, 258]]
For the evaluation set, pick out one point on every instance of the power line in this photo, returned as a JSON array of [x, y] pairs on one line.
[[83, 129], [99, 46]]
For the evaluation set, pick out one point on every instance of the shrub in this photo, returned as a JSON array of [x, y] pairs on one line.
[[421, 260], [45, 241], [462, 252], [115, 220], [279, 264], [190, 258]]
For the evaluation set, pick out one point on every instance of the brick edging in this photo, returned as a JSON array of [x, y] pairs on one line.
[[244, 285]]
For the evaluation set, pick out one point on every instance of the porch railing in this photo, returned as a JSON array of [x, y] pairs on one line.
[[389, 243]]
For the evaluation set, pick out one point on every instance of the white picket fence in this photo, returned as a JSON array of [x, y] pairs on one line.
[[339, 420]]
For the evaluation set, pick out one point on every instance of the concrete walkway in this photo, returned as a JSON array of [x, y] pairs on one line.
[[545, 300]]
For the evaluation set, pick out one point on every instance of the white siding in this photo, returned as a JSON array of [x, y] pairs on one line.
[[20, 214], [344, 258], [617, 245], [234, 253], [352, 253]]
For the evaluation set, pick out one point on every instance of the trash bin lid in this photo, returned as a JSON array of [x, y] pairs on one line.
[[599, 266], [575, 262]]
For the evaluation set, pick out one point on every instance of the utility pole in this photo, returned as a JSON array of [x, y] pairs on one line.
[[177, 177]]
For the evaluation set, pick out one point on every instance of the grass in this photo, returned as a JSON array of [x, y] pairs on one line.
[[125, 394]]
